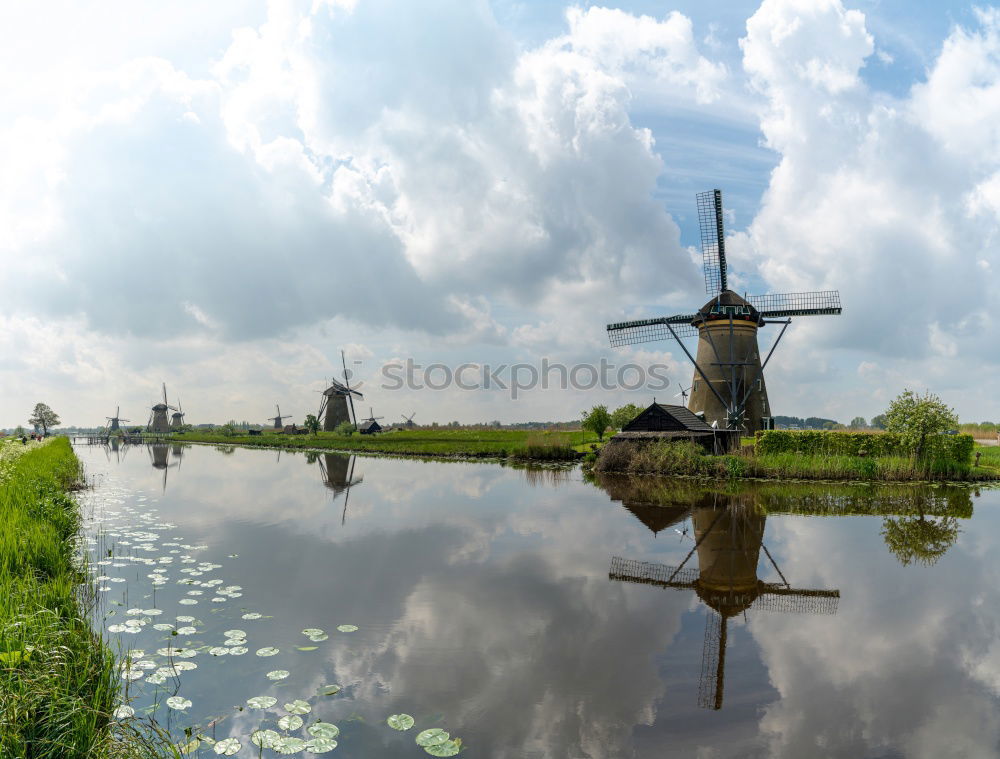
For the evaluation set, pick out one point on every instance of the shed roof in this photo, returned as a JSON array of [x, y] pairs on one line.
[[683, 417]]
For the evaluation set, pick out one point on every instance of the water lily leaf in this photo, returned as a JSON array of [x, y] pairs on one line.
[[267, 651], [310, 631], [123, 712], [277, 674], [185, 619], [179, 703], [238, 650], [152, 612], [264, 738], [233, 633], [117, 628], [320, 745], [448, 748], [290, 722], [157, 678], [218, 650], [298, 706], [288, 745], [435, 736], [261, 702], [318, 638], [187, 602], [306, 648], [400, 721], [186, 631], [323, 730], [252, 615], [190, 747], [330, 690], [161, 626], [347, 628], [227, 747]]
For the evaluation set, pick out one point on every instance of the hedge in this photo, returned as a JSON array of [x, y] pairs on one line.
[[957, 448]]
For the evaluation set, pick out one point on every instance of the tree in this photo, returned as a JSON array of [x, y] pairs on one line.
[[43, 417], [919, 539], [344, 428], [622, 416], [878, 422], [597, 420], [917, 417], [859, 423], [311, 423]]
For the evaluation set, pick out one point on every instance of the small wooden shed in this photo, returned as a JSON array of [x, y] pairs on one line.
[[662, 421], [369, 427]]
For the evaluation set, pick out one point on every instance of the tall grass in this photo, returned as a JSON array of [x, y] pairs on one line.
[[57, 680], [546, 446]]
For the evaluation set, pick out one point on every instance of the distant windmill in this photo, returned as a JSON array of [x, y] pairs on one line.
[[408, 420], [728, 542], [177, 418], [370, 426], [158, 416], [114, 421], [683, 395], [277, 419], [335, 402], [728, 385]]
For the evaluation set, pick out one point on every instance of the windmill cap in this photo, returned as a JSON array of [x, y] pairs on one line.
[[727, 302]]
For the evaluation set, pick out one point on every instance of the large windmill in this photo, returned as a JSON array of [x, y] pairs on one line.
[[114, 421], [277, 419], [158, 415], [727, 540], [177, 418], [336, 399], [728, 384]]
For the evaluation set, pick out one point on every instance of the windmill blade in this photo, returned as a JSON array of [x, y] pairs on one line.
[[779, 305], [648, 573], [713, 662], [797, 601], [165, 394], [713, 240], [649, 330]]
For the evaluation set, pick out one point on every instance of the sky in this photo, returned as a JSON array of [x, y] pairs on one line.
[[222, 198]]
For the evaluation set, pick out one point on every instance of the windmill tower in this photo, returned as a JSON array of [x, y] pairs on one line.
[[728, 540], [336, 400], [277, 419], [114, 421], [177, 418], [728, 382], [158, 415]]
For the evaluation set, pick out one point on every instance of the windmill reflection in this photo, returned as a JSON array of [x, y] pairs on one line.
[[338, 475], [728, 538], [159, 456]]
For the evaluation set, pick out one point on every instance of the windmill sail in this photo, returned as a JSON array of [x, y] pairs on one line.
[[649, 330], [713, 240], [781, 305]]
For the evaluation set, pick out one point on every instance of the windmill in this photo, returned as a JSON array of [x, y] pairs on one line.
[[408, 420], [158, 415], [114, 421], [370, 426], [277, 419], [177, 418], [728, 383], [683, 395], [335, 402], [727, 540]]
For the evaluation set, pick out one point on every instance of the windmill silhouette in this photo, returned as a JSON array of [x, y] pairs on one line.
[[728, 382], [158, 414], [277, 419], [408, 420], [114, 421], [728, 539], [336, 399], [177, 418]]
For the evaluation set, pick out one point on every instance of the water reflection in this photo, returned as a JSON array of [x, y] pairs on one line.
[[728, 537], [338, 475]]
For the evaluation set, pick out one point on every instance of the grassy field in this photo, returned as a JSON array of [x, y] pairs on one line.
[[474, 443], [58, 683]]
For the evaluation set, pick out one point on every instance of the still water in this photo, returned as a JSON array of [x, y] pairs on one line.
[[535, 614]]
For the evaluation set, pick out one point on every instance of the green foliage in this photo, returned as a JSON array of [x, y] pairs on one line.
[[858, 423], [597, 420], [955, 449], [878, 422], [546, 446], [344, 428], [916, 418], [311, 423], [623, 415], [43, 417], [228, 429]]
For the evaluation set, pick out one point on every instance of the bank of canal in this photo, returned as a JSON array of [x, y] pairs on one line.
[[294, 598]]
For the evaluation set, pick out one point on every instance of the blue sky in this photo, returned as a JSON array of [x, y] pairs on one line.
[[222, 199]]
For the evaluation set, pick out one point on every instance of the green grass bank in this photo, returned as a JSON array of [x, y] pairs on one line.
[[532, 445], [58, 683], [687, 459]]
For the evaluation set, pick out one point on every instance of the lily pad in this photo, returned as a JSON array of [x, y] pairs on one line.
[[227, 747], [267, 651], [238, 650], [347, 628], [306, 648], [218, 650], [264, 738], [185, 619], [400, 721], [318, 638], [330, 690], [435, 736], [290, 722], [323, 730], [186, 630], [320, 745], [261, 702], [187, 602], [288, 745], [278, 674], [310, 631], [448, 748], [233, 633], [298, 706], [124, 712], [179, 703], [252, 615]]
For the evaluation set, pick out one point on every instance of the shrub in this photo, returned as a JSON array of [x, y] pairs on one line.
[[954, 448], [547, 447], [344, 428]]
